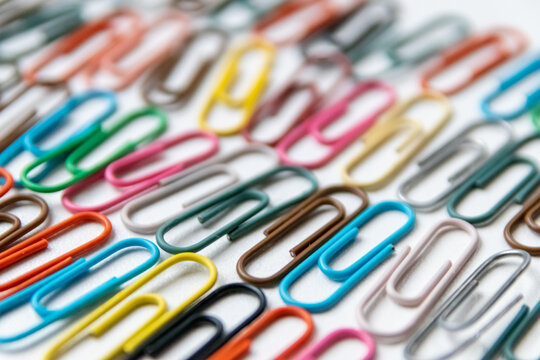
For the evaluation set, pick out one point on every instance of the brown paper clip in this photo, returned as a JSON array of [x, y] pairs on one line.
[[527, 214]]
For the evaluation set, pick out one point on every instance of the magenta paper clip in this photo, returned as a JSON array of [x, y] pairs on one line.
[[137, 185], [319, 348], [315, 125]]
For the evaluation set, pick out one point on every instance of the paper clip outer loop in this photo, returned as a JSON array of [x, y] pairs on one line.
[[65, 341], [315, 125], [272, 106], [351, 275], [220, 92], [465, 48], [291, 220], [7, 183], [40, 242], [243, 224], [184, 322], [335, 336], [520, 331], [526, 214], [390, 125], [429, 294], [431, 162], [504, 159], [238, 347], [532, 99]]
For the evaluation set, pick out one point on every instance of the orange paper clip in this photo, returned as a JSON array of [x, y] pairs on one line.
[[506, 43], [40, 242], [8, 181]]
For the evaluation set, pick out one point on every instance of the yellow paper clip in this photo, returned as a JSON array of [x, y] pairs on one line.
[[221, 91], [392, 124], [160, 317]]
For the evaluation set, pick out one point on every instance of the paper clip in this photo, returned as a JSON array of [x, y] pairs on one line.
[[519, 328], [497, 38], [185, 322], [58, 282], [309, 17], [251, 12], [462, 141], [452, 304], [7, 183], [398, 58], [75, 40], [40, 242], [214, 167], [296, 85], [315, 124], [293, 219], [156, 81], [390, 125], [161, 316], [229, 74], [335, 336], [359, 33], [123, 76], [424, 301], [238, 347], [531, 99], [535, 117], [507, 157], [13, 10], [351, 275], [197, 7], [527, 214], [17, 231], [96, 138], [243, 224], [133, 187]]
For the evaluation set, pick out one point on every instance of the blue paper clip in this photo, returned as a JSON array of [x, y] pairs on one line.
[[69, 275], [351, 275], [504, 159], [532, 99]]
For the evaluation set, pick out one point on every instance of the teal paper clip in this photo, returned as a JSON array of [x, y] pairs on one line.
[[256, 216], [351, 275], [504, 159], [528, 319], [69, 275], [250, 11]]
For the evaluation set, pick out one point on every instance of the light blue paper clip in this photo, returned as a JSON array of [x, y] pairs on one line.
[[69, 275], [351, 275]]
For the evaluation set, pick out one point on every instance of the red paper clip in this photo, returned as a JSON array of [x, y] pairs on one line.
[[8, 181], [504, 50], [40, 242]]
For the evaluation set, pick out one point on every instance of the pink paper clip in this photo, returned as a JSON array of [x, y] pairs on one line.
[[341, 334], [315, 125], [138, 185]]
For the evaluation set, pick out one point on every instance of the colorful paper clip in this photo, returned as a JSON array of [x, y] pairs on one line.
[[135, 186], [118, 312], [74, 153], [296, 85], [61, 280], [451, 306], [504, 159], [197, 7], [122, 76], [238, 347], [293, 219], [335, 336], [259, 214], [354, 273], [215, 167], [527, 214], [535, 117], [75, 40], [251, 11], [315, 124], [155, 88], [187, 321], [7, 183], [497, 39], [40, 242], [13, 10], [359, 33], [229, 74], [531, 99], [396, 58], [423, 301], [390, 125], [17, 231], [461, 142]]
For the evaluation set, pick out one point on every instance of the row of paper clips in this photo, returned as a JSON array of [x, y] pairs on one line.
[[64, 30]]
